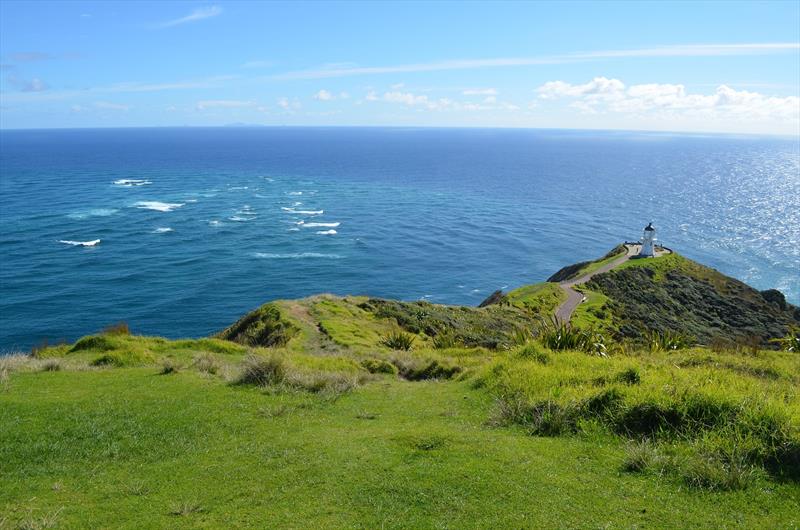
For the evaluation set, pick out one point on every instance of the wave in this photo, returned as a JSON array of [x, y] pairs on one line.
[[214, 222], [301, 255], [240, 219], [162, 230], [80, 243], [129, 183], [319, 225], [297, 203], [303, 212], [97, 212], [159, 206], [327, 232], [295, 193]]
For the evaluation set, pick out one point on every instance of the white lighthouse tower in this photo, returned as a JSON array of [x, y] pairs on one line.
[[648, 241]]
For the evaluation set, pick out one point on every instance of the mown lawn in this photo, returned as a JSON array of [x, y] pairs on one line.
[[127, 447]]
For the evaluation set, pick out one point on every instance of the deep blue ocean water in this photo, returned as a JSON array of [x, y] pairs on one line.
[[198, 226]]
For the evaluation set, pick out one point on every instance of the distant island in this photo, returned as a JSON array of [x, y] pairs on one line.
[[661, 379]]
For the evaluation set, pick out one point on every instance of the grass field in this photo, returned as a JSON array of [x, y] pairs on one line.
[[149, 446]]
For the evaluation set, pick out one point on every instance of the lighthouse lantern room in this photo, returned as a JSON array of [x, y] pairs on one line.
[[648, 241]]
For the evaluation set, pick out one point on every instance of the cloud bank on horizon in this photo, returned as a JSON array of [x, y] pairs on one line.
[[122, 65]]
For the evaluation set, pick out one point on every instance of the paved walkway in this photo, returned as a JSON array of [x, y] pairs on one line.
[[574, 298]]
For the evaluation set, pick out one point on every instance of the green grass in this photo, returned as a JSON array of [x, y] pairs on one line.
[[129, 448], [539, 298], [594, 313]]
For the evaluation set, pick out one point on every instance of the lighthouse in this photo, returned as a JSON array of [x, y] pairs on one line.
[[648, 242]]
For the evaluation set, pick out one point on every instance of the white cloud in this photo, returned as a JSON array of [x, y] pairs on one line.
[[107, 105], [223, 103], [198, 14], [422, 101], [480, 92], [289, 105], [324, 95], [672, 101], [691, 50]]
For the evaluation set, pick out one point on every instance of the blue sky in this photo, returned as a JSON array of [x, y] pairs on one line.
[[681, 66]]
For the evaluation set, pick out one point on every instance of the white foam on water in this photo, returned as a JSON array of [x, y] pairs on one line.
[[129, 183], [297, 203], [214, 222], [293, 230], [303, 212], [300, 255], [158, 206], [97, 212], [162, 230], [268, 179], [295, 193], [319, 225], [80, 243], [327, 232], [240, 219]]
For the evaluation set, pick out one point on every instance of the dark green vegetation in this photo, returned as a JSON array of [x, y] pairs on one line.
[[359, 412], [675, 294]]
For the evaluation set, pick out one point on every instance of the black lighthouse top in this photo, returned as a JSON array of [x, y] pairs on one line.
[[649, 227]]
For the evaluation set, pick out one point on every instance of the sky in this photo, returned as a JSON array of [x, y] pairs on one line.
[[731, 67]]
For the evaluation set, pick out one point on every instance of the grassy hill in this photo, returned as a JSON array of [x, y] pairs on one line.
[[361, 412]]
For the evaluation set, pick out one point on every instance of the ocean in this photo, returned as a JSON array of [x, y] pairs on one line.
[[180, 231]]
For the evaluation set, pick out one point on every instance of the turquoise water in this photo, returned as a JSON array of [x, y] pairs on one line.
[[197, 226]]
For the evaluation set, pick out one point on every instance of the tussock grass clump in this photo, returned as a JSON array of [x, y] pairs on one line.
[[398, 340], [379, 366], [50, 365], [640, 456], [262, 371], [533, 351], [206, 363], [712, 472], [168, 366]]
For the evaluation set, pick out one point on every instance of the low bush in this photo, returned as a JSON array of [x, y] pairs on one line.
[[791, 342], [379, 366], [50, 365], [639, 456], [445, 340], [120, 328], [420, 369], [660, 341]]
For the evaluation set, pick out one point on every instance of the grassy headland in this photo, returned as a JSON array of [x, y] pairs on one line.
[[360, 412]]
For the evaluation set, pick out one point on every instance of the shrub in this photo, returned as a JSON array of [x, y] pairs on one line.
[[262, 371], [791, 342], [398, 340], [263, 327], [558, 335], [658, 341], [378, 366], [445, 340]]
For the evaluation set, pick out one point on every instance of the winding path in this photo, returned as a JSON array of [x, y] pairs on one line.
[[574, 298]]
